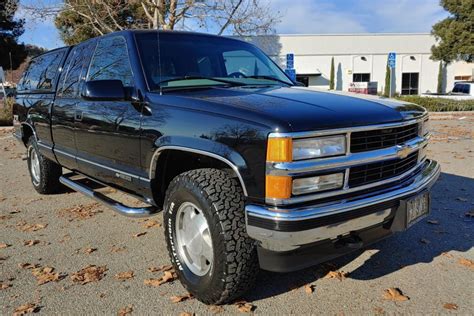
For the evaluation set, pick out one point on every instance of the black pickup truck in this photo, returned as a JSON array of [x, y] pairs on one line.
[[251, 170]]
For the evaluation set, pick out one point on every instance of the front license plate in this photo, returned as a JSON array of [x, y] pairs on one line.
[[418, 207]]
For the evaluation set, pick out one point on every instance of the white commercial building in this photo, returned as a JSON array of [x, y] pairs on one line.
[[363, 58]]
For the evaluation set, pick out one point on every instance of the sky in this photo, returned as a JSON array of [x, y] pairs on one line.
[[304, 17]]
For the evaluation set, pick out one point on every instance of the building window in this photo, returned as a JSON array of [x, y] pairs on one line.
[[360, 77], [303, 79], [463, 78], [410, 83]]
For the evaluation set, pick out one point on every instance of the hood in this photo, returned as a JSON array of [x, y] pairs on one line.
[[300, 109]]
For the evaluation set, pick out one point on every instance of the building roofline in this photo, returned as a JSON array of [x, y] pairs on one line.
[[340, 34]]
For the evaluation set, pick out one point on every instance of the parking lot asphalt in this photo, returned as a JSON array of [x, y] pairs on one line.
[[431, 264]]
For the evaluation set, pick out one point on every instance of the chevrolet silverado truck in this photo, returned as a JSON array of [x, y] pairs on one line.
[[249, 170]]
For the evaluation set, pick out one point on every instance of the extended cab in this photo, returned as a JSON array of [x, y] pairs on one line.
[[249, 169]]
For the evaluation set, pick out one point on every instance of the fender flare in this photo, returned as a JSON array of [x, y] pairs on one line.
[[204, 147]]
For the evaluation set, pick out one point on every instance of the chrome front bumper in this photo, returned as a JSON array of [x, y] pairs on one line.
[[286, 229]]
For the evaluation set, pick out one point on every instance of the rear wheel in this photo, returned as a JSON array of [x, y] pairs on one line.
[[44, 173], [204, 220]]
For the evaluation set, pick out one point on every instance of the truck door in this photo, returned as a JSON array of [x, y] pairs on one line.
[[64, 110], [108, 131]]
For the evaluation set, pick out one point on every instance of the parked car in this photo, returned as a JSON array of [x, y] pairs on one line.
[[250, 171], [463, 90]]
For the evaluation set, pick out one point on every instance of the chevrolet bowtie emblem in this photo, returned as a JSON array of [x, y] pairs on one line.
[[403, 152]]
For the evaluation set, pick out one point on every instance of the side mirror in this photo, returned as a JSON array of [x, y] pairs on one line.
[[104, 90]]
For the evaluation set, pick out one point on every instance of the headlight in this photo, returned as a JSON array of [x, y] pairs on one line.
[[319, 147], [318, 183], [424, 128]]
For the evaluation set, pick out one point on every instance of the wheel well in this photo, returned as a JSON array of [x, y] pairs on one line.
[[174, 162], [27, 132]]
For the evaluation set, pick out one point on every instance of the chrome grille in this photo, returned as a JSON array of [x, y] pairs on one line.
[[382, 138], [378, 171]]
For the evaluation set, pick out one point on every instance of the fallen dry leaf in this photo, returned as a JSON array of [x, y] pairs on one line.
[[127, 310], [122, 276], [117, 249], [89, 250], [45, 275], [447, 254], [216, 309], [395, 294], [89, 274], [166, 267], [424, 241], [24, 227], [309, 288], [182, 298], [4, 286], [168, 276], [139, 234], [450, 306], [340, 275], [433, 222], [31, 242], [27, 266], [80, 212], [186, 314], [466, 262], [244, 307], [25, 309], [151, 224], [4, 245]]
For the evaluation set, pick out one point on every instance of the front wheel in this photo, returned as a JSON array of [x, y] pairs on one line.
[[44, 173], [204, 220]]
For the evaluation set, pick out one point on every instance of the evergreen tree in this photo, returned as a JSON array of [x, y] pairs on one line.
[[386, 90], [455, 34], [331, 76], [10, 30], [439, 89]]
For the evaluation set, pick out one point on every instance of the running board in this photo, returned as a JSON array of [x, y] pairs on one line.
[[107, 201]]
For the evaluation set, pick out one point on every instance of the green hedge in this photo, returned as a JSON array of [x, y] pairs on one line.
[[6, 112], [440, 104]]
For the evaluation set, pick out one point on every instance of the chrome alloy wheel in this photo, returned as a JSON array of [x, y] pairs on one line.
[[193, 239], [35, 166]]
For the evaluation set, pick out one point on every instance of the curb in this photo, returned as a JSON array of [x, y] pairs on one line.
[[451, 115]]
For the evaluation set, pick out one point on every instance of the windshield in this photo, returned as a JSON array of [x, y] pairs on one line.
[[186, 60]]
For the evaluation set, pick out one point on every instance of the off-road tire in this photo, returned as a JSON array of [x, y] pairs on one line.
[[49, 171], [235, 264]]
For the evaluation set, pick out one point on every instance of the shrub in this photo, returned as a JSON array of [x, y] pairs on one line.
[[6, 112], [440, 104]]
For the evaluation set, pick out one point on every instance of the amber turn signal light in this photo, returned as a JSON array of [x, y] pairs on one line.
[[278, 187], [279, 150]]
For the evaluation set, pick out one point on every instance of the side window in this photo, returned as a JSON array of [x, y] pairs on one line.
[[42, 72], [70, 78], [111, 61]]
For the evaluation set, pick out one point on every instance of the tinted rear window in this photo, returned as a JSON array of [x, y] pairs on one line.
[[42, 72]]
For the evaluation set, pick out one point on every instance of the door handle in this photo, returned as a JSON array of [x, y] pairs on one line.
[[78, 116]]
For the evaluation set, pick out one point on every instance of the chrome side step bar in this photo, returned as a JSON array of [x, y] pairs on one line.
[[107, 201]]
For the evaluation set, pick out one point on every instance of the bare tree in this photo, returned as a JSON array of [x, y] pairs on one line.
[[98, 17]]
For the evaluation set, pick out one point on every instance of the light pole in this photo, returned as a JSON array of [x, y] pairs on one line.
[[11, 67]]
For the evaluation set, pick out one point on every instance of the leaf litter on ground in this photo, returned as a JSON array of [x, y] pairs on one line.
[[181, 298], [123, 276], [46, 274], [91, 273], [26, 309], [168, 276], [395, 294], [245, 307], [340, 275]]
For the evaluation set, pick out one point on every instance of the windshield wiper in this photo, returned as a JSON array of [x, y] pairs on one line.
[[229, 82], [269, 78]]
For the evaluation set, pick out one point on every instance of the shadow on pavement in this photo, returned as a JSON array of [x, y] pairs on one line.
[[452, 198]]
